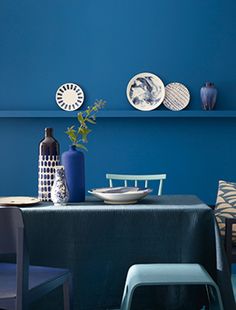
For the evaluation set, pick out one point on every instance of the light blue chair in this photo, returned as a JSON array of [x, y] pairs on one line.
[[170, 274], [137, 178]]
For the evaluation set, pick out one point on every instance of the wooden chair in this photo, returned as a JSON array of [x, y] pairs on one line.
[[21, 284], [136, 178]]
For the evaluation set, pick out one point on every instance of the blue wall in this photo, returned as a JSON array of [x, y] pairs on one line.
[[101, 45]]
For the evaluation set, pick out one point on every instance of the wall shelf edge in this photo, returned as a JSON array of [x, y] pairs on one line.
[[120, 114]]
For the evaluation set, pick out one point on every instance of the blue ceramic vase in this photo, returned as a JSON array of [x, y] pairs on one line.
[[73, 161], [208, 96]]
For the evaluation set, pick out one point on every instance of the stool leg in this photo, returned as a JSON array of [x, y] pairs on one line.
[[215, 298], [127, 297]]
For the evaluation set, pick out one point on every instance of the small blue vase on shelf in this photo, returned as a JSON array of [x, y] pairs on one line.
[[208, 95], [73, 161]]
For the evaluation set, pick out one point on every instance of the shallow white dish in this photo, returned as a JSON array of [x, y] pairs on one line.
[[69, 97], [145, 91], [18, 201], [118, 190], [120, 195]]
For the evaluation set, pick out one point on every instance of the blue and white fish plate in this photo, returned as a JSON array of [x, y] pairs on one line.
[[145, 91]]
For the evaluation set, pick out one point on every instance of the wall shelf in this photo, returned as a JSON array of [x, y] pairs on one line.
[[119, 114]]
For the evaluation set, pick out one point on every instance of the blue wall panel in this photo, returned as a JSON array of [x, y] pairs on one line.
[[101, 45]]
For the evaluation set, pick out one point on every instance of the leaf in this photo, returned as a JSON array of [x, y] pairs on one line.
[[81, 119], [81, 146], [69, 130], [81, 130], [87, 131], [72, 134], [91, 121], [84, 132], [88, 110]]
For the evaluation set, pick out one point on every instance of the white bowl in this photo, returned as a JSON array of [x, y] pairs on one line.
[[120, 195]]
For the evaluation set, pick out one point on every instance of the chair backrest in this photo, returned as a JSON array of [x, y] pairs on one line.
[[12, 241], [136, 178], [10, 221]]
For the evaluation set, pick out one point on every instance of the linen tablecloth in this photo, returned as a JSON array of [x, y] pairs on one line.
[[98, 243]]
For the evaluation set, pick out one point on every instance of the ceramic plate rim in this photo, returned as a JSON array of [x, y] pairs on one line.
[[141, 191], [36, 201], [99, 190]]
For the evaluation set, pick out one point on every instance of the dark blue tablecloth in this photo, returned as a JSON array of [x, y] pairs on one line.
[[98, 243]]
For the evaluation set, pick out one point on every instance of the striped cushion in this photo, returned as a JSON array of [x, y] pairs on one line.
[[226, 205]]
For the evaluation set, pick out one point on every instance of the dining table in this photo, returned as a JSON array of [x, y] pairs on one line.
[[99, 242]]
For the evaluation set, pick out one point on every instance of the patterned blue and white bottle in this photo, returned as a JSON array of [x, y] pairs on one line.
[[48, 158], [59, 192]]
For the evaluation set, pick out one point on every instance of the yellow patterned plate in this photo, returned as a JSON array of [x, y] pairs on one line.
[[18, 201]]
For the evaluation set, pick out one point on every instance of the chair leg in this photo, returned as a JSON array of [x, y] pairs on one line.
[[67, 294], [215, 298], [20, 304]]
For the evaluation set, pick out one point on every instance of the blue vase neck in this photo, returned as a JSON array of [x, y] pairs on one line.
[[209, 84], [72, 148]]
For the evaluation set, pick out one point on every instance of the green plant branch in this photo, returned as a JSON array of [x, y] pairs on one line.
[[79, 136]]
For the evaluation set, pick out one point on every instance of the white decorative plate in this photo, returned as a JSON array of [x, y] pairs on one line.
[[120, 195], [18, 201], [69, 97], [177, 97], [145, 91]]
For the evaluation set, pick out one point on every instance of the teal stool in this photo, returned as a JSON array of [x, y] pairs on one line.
[[170, 274]]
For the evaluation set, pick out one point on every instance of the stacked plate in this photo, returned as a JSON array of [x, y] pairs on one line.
[[120, 195]]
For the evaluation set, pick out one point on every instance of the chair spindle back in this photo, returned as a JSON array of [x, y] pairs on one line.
[[136, 178]]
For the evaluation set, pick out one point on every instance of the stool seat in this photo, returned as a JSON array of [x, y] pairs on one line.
[[169, 274], [173, 274]]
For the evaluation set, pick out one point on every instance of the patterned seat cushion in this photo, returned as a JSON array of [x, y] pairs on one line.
[[226, 206]]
